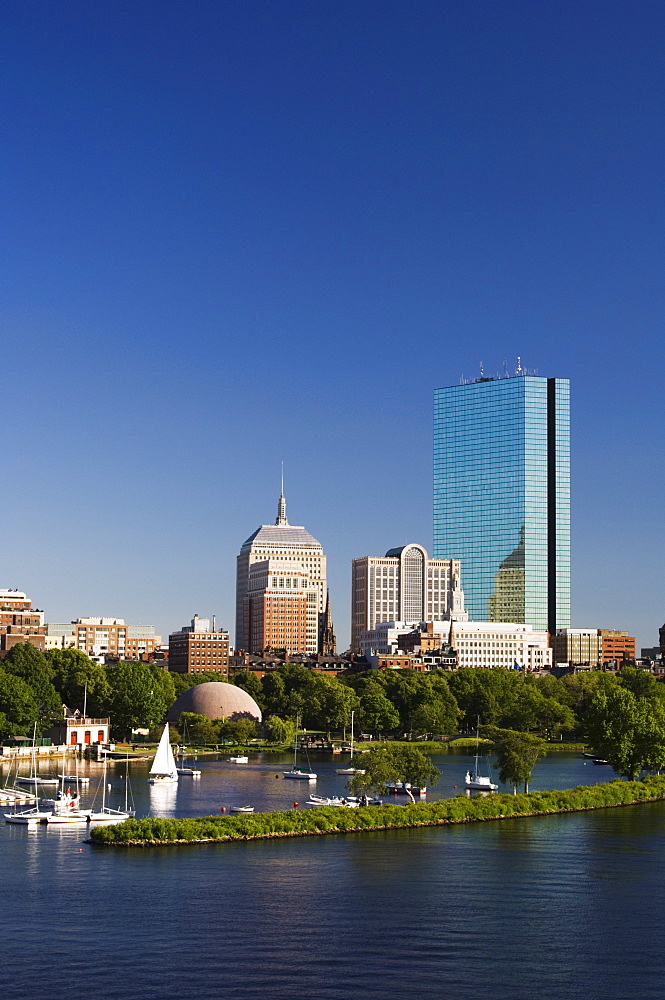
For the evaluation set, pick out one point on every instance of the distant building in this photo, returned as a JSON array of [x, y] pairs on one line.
[[281, 592], [477, 644], [404, 585], [617, 647], [199, 648], [578, 647], [104, 639], [593, 647], [19, 621], [502, 495]]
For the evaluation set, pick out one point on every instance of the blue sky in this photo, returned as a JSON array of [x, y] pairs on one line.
[[241, 233]]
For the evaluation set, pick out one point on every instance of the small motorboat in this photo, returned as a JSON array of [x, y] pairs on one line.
[[349, 770], [242, 809], [191, 772], [239, 760], [599, 760]]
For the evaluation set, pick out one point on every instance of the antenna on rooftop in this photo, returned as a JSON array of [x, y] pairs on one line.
[[482, 370], [518, 370], [505, 368]]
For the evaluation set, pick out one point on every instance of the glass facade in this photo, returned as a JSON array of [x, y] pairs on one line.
[[502, 496]]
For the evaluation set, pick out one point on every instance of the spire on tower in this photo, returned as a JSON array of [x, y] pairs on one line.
[[281, 506]]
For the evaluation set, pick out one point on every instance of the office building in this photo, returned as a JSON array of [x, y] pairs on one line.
[[199, 648], [502, 495], [582, 647], [273, 598], [280, 608], [617, 647], [477, 644], [593, 647], [404, 585]]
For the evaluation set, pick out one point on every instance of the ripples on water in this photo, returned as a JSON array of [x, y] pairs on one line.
[[562, 906]]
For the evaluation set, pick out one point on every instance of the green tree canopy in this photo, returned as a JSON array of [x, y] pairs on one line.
[[80, 681], [376, 713], [517, 754], [240, 730], [401, 763], [140, 695], [627, 731], [30, 664], [18, 705], [250, 683], [278, 730]]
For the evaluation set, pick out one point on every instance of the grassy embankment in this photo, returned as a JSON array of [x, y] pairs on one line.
[[154, 831]]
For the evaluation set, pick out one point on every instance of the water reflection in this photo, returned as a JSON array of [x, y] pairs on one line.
[[163, 799]]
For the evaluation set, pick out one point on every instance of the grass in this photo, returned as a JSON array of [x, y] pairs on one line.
[[153, 831]]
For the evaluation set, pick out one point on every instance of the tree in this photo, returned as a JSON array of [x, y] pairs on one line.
[[29, 663], [140, 695], [250, 683], [384, 764], [436, 710], [240, 730], [376, 713], [329, 704], [627, 731], [278, 730], [275, 697], [517, 754], [183, 682], [80, 681], [18, 705]]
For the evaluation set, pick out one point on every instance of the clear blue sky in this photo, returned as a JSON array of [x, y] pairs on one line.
[[241, 232]]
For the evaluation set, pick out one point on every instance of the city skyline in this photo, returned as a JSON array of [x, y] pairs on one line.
[[242, 234]]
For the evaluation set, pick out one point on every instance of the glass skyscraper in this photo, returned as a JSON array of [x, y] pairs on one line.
[[502, 496]]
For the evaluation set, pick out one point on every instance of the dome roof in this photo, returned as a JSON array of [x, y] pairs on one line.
[[216, 700]]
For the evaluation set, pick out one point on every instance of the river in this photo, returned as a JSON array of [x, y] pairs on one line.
[[559, 906]]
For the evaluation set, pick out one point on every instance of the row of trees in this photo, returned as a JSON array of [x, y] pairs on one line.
[[35, 685], [622, 716]]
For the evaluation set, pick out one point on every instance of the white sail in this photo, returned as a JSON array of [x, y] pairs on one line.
[[164, 763]]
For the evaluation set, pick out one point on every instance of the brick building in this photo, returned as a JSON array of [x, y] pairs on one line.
[[199, 648]]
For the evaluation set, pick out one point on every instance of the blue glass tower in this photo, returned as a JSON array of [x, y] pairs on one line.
[[502, 496]]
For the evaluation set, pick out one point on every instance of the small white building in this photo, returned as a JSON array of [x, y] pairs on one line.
[[77, 730]]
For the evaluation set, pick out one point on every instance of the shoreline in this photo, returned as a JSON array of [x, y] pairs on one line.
[[324, 820]]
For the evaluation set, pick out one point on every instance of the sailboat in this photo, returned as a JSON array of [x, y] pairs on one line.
[[29, 817], [163, 770], [303, 773], [191, 772], [350, 770], [67, 807], [106, 814], [474, 781]]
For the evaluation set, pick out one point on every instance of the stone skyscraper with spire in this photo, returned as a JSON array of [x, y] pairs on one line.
[[281, 592]]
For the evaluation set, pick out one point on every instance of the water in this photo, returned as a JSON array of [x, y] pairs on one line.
[[559, 906]]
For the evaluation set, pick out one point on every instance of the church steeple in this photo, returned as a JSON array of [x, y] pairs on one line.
[[327, 641], [281, 506]]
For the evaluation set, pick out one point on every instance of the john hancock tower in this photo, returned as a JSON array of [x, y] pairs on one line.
[[502, 495]]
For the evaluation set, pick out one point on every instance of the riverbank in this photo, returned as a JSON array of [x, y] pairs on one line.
[[157, 831]]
